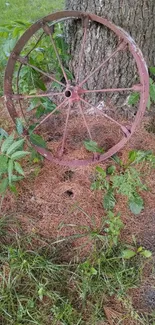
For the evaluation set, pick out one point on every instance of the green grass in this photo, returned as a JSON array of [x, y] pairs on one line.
[[12, 10], [38, 287]]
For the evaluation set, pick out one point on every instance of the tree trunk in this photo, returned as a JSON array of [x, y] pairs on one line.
[[136, 17]]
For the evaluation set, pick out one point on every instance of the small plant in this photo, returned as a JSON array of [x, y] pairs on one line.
[[11, 171], [126, 180], [134, 97]]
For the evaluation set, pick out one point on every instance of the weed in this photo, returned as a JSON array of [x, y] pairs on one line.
[[134, 97], [10, 153], [126, 180]]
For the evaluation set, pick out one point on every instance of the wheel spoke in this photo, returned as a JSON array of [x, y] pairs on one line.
[[25, 62], [123, 128], [110, 90], [65, 130], [85, 23], [55, 109], [85, 122], [47, 30], [119, 48], [20, 96]]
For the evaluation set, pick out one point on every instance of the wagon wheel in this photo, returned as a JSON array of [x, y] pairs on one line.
[[67, 94]]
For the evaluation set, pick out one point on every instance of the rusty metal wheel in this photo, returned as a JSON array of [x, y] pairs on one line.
[[69, 94]]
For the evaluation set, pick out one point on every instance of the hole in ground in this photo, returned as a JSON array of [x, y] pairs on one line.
[[69, 193]]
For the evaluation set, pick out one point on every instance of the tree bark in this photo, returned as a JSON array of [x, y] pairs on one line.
[[137, 17]]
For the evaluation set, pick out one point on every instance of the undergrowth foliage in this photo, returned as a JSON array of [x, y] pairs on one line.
[[11, 151], [124, 179]]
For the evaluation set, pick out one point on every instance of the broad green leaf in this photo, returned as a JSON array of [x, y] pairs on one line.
[[19, 154], [136, 204], [3, 163], [37, 140], [19, 168], [133, 98], [92, 146], [7, 143], [10, 170], [146, 253], [109, 200], [101, 171], [40, 111], [128, 253], [15, 145], [3, 185], [40, 84], [19, 126], [111, 170]]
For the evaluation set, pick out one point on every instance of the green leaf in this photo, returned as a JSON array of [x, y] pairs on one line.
[[109, 200], [19, 126], [19, 154], [152, 70], [149, 102], [3, 133], [15, 145], [133, 98], [136, 204], [152, 90], [101, 171], [7, 143], [10, 170], [3, 163], [128, 253], [16, 178], [34, 104], [18, 168], [111, 170], [3, 185], [92, 146], [40, 84], [117, 160], [13, 189], [146, 253], [132, 155], [37, 140]]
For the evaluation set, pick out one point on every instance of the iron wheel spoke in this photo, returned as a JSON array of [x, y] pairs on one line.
[[47, 30], [123, 128], [119, 48], [25, 62], [110, 90], [65, 130], [55, 109], [85, 23], [20, 96], [85, 122]]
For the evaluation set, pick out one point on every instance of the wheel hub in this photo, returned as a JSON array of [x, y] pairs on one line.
[[72, 93]]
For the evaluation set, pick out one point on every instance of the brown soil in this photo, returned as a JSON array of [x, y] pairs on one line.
[[58, 202]]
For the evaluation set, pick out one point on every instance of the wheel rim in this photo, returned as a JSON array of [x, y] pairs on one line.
[[72, 94]]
